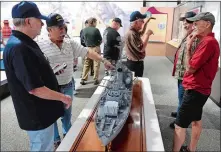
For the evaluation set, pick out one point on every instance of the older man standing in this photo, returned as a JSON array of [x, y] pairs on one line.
[[32, 83], [201, 68], [136, 42], [179, 60], [59, 50]]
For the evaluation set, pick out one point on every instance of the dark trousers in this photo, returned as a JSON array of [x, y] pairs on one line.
[[136, 66]]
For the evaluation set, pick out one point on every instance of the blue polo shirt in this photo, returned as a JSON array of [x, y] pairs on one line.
[[26, 69]]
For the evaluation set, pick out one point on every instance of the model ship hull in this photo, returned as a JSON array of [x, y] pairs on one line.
[[114, 105]]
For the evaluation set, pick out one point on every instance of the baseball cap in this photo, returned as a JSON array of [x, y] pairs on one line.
[[55, 19], [136, 15], [188, 15], [118, 20], [26, 9], [206, 16]]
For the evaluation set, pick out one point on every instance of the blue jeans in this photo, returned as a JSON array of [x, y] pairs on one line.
[[180, 93], [42, 140], [66, 119]]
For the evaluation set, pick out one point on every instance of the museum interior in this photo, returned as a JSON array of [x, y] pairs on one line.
[[100, 120]]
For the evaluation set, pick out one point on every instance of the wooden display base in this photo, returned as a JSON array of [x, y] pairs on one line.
[[132, 136]]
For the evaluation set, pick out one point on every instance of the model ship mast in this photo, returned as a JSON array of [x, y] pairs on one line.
[[114, 104]]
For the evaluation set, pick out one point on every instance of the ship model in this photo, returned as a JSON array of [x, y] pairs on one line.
[[114, 104]]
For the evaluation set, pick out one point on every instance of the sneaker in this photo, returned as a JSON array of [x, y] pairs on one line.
[[96, 82], [106, 73], [174, 114], [56, 145], [172, 126], [75, 92], [83, 82], [184, 149]]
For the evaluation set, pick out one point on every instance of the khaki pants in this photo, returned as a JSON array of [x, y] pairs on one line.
[[96, 65], [91, 66]]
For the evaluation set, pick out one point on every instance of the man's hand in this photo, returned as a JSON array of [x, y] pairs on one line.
[[149, 32], [59, 72], [108, 65], [152, 18], [67, 100], [190, 39]]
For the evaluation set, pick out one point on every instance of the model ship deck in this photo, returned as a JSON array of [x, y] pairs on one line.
[[130, 138], [114, 104]]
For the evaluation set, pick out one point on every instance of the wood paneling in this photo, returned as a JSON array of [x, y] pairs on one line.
[[156, 49]]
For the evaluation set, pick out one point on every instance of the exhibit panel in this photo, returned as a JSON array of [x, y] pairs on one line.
[[162, 28]]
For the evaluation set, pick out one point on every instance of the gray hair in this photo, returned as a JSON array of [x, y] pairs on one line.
[[18, 22], [132, 23]]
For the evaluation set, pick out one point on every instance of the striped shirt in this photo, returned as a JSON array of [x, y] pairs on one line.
[[68, 52]]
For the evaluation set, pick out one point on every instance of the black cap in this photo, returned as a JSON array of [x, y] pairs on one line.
[[118, 20], [55, 19], [26, 9], [187, 15], [136, 15]]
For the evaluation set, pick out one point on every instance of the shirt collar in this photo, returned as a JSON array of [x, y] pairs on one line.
[[211, 34], [24, 37], [21, 35], [132, 29]]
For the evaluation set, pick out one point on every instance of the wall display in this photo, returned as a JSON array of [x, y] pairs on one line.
[[158, 26], [77, 12]]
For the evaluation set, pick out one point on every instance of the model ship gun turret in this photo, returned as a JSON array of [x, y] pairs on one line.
[[114, 104]]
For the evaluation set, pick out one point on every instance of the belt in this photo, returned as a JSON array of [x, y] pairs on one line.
[[135, 60], [68, 84]]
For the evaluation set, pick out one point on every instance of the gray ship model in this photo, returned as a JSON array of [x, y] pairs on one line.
[[114, 104]]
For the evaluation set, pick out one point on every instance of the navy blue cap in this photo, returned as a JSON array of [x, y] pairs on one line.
[[55, 19], [136, 15], [26, 9], [118, 20]]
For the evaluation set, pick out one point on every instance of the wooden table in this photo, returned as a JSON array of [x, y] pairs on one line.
[[140, 133]]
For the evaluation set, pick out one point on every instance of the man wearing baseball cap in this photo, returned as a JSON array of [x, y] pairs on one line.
[[201, 68], [59, 50], [135, 44], [112, 42], [179, 64], [32, 83]]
